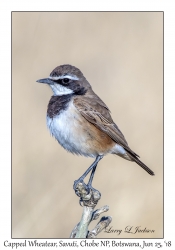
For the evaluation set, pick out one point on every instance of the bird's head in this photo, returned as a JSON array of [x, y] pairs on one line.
[[66, 79]]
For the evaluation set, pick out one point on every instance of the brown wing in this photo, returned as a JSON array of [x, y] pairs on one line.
[[97, 113]]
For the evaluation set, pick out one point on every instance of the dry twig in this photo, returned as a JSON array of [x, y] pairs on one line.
[[89, 201]]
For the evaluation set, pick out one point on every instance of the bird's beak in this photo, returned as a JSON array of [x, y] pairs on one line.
[[46, 81]]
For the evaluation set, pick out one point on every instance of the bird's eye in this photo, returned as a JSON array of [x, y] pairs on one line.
[[65, 80]]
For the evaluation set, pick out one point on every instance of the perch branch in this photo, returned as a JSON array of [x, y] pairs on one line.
[[89, 201]]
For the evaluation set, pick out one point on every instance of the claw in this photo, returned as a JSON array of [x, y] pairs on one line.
[[89, 187], [80, 201], [77, 192], [76, 183]]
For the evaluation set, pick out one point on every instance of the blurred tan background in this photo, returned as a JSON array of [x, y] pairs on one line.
[[121, 55]]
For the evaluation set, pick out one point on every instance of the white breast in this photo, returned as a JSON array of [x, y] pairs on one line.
[[66, 128]]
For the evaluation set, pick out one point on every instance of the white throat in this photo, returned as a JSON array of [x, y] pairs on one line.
[[60, 90]]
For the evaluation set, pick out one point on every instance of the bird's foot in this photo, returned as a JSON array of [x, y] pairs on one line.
[[89, 186], [89, 196], [80, 185]]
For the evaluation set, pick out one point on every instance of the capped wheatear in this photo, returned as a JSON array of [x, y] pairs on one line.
[[81, 122]]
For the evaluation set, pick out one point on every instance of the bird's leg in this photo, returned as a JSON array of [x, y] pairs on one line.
[[91, 177], [93, 166]]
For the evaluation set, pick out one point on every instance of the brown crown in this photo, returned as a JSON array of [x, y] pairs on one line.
[[66, 69]]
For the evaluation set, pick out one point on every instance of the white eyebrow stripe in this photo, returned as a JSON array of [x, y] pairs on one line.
[[63, 77]]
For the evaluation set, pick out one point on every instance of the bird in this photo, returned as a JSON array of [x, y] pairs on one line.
[[81, 122]]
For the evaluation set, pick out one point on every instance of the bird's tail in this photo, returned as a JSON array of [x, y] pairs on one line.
[[141, 164]]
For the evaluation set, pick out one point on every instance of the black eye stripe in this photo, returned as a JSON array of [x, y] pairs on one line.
[[58, 81], [62, 81]]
